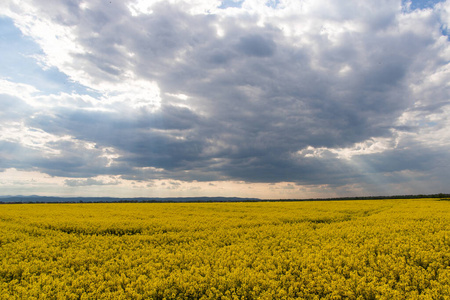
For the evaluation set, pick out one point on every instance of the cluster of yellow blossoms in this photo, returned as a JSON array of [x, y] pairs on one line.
[[377, 249]]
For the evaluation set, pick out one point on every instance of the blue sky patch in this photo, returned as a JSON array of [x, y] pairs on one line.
[[421, 4], [19, 63], [231, 3]]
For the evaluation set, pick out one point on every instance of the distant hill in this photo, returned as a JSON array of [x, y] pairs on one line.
[[50, 199]]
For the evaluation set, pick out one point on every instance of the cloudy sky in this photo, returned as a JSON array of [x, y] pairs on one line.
[[251, 98]]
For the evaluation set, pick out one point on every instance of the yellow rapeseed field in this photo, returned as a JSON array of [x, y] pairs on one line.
[[378, 249]]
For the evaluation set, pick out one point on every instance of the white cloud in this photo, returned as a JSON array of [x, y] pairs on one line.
[[57, 41], [33, 138], [19, 90], [91, 181], [135, 93], [138, 7]]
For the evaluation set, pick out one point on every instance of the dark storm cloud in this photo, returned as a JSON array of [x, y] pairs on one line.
[[72, 161], [256, 45], [256, 97], [96, 124], [143, 139], [419, 159], [10, 155]]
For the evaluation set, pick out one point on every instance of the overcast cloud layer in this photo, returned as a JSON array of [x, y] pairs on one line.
[[288, 99]]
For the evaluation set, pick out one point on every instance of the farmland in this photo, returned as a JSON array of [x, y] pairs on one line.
[[372, 249]]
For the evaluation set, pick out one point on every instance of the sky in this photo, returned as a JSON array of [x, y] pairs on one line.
[[273, 99]]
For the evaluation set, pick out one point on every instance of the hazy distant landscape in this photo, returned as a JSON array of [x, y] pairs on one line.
[[253, 99], [48, 199]]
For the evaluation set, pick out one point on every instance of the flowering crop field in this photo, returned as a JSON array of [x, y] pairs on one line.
[[371, 249]]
